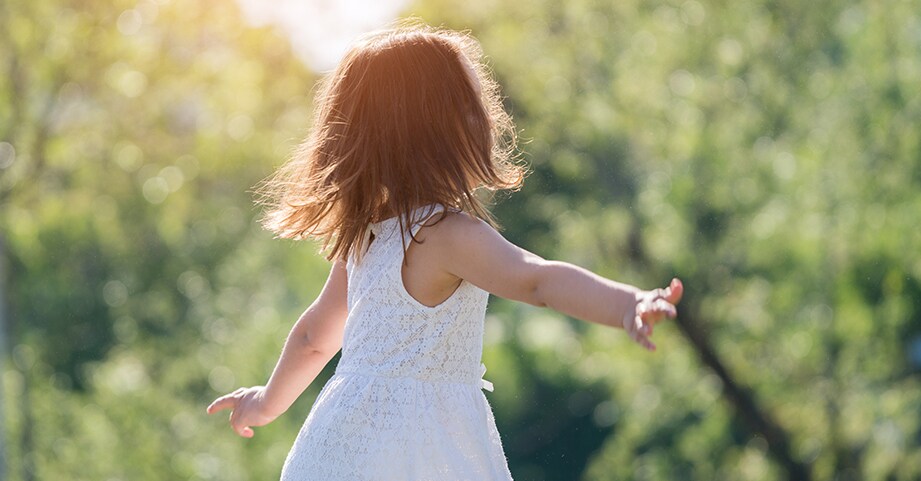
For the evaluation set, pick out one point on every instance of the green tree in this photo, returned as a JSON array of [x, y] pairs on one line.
[[131, 133], [766, 153]]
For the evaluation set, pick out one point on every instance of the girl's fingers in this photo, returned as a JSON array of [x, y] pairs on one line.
[[675, 291], [640, 331], [662, 308], [244, 431], [228, 401], [239, 426], [658, 305], [645, 342], [656, 311], [233, 401], [672, 293]]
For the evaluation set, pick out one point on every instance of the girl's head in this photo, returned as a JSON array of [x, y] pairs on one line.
[[410, 117]]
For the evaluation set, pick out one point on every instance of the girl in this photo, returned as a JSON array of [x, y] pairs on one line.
[[408, 129]]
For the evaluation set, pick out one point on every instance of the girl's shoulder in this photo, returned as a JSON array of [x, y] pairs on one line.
[[454, 222], [453, 227]]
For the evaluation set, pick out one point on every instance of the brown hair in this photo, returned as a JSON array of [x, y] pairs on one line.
[[399, 124]]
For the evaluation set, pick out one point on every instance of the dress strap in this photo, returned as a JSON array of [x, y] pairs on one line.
[[423, 214], [484, 384], [419, 216]]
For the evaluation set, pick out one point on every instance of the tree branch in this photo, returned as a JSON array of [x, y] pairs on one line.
[[746, 407]]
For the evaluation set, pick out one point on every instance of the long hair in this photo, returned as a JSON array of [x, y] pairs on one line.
[[410, 117]]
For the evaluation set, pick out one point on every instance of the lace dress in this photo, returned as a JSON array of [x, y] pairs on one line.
[[405, 402]]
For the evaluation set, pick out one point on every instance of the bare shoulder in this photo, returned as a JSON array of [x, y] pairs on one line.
[[456, 228], [443, 242], [469, 248], [454, 220]]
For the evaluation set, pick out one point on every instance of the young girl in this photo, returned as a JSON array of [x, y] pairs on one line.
[[408, 129]]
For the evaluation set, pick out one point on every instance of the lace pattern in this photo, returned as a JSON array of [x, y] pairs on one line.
[[405, 402]]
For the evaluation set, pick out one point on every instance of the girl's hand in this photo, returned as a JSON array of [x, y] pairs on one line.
[[651, 307], [247, 409]]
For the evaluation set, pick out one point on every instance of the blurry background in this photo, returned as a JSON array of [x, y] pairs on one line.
[[768, 152]]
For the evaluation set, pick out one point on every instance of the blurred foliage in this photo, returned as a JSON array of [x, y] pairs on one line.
[[766, 152], [139, 285]]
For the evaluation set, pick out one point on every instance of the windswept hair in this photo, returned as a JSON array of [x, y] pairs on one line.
[[398, 125]]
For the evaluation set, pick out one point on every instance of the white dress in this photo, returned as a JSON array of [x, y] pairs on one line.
[[405, 402]]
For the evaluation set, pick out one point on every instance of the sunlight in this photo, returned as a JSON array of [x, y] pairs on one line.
[[322, 30]]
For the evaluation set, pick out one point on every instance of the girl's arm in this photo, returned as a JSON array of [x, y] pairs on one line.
[[315, 338], [474, 251]]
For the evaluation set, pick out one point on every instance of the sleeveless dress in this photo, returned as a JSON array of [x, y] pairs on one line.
[[405, 402]]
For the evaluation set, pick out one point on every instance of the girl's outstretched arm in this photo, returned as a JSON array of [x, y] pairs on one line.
[[315, 338], [474, 251]]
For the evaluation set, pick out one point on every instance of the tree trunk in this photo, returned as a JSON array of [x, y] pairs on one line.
[[747, 409], [740, 397]]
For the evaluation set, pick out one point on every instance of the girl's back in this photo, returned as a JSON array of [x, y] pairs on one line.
[[410, 118], [405, 402]]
